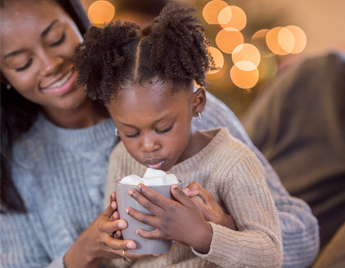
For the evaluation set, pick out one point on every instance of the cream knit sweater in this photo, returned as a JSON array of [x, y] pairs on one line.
[[235, 177]]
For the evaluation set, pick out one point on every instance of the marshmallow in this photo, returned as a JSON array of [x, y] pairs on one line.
[[151, 172], [152, 177]]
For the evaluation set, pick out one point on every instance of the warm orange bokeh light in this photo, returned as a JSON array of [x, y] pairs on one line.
[[212, 10], [272, 41], [228, 39], [286, 40], [246, 57], [259, 40], [244, 79], [218, 59], [101, 12], [300, 38], [233, 17], [225, 16]]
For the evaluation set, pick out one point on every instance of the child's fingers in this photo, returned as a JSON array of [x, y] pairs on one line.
[[195, 189], [180, 196], [148, 199], [157, 199], [199, 203], [143, 218]]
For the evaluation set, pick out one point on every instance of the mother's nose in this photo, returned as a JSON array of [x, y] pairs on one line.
[[49, 63]]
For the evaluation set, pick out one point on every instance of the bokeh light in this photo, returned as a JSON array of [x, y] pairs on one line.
[[272, 41], [101, 12], [232, 16], [225, 16], [218, 59], [212, 10], [228, 39], [244, 79], [246, 57], [300, 38], [286, 40]]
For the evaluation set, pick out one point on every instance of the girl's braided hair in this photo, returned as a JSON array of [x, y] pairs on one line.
[[173, 49]]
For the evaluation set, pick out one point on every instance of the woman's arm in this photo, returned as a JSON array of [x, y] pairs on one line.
[[20, 246], [299, 228]]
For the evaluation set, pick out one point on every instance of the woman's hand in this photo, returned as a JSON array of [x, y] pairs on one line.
[[101, 240], [208, 205], [179, 220]]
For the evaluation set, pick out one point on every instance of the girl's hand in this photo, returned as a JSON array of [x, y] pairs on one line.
[[208, 205], [179, 220], [101, 240]]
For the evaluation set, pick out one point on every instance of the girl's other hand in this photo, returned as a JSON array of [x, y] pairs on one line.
[[208, 205], [179, 220], [101, 240]]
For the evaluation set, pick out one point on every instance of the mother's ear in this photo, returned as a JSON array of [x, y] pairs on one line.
[[198, 101]]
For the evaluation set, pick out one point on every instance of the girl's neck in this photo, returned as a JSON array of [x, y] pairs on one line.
[[197, 142], [83, 116]]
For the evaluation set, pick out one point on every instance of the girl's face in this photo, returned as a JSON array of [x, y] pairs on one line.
[[154, 124], [37, 43]]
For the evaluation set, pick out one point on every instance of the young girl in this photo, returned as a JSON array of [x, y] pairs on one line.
[[146, 82]]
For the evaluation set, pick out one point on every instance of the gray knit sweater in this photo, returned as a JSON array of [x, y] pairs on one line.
[[61, 176], [235, 177]]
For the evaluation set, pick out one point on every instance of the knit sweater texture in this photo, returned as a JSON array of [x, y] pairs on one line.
[[235, 177], [61, 174]]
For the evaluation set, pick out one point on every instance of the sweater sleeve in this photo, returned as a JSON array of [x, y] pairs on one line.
[[19, 245], [257, 243], [299, 228]]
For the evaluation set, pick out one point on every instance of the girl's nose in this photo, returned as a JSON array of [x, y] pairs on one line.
[[149, 144], [49, 63]]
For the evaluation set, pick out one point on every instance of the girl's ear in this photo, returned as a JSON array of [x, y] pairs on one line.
[[199, 101]]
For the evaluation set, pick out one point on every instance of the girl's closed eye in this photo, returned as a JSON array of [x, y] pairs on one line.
[[164, 130], [132, 135]]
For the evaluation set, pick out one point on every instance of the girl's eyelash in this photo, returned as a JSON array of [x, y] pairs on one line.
[[165, 130], [24, 67], [158, 131], [132, 136], [59, 41]]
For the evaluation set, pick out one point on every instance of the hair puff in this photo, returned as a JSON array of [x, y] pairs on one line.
[[102, 57], [179, 45]]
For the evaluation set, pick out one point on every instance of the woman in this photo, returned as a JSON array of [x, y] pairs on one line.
[[56, 144]]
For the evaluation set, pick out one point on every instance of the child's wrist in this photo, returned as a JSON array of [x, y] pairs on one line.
[[205, 235], [228, 221]]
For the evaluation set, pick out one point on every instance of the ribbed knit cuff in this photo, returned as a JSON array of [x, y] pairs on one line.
[[221, 247]]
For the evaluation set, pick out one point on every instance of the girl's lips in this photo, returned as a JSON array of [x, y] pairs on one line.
[[155, 165], [62, 86]]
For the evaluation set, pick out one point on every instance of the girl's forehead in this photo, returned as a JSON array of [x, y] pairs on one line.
[[146, 97]]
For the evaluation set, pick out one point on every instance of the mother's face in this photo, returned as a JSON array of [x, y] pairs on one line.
[[37, 43]]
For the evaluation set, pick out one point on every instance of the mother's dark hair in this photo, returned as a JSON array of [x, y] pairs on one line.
[[18, 114]]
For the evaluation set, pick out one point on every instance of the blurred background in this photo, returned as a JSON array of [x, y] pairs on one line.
[[251, 41]]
